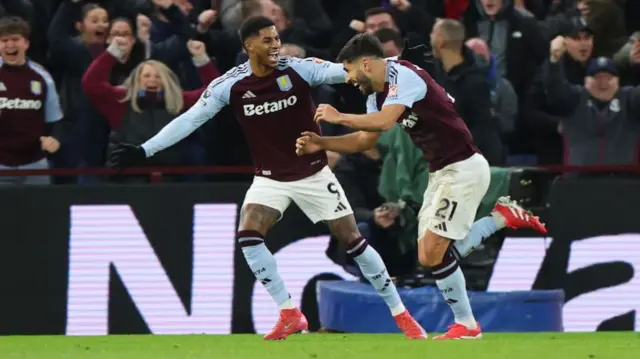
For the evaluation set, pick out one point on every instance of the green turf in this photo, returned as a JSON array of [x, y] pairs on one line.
[[619, 345]]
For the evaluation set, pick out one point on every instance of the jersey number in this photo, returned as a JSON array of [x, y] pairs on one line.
[[445, 204]]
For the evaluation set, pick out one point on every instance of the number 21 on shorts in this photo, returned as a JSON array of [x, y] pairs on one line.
[[446, 209]]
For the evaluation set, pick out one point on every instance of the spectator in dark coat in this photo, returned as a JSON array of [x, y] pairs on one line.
[[467, 83], [540, 121], [600, 120], [517, 41]]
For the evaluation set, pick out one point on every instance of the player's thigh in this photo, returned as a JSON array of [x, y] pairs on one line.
[[457, 194], [321, 197], [264, 203]]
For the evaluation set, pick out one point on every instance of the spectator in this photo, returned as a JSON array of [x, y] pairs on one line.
[[467, 83], [628, 60], [417, 24], [29, 107], [606, 20], [516, 41], [149, 99], [91, 129], [600, 123], [540, 121], [391, 40], [503, 97]]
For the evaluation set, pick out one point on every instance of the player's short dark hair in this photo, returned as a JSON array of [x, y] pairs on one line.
[[253, 25], [14, 25], [359, 46], [377, 11], [386, 35]]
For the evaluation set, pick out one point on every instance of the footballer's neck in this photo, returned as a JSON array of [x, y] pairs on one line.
[[259, 69], [379, 72]]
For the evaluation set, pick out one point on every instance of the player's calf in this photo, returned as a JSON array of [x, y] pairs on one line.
[[374, 270], [436, 253]]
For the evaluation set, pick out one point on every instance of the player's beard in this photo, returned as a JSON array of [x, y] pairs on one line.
[[364, 84]]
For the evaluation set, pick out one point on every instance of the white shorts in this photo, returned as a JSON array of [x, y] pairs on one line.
[[319, 196], [453, 196]]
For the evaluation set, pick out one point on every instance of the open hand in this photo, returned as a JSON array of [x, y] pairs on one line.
[[308, 143], [327, 113]]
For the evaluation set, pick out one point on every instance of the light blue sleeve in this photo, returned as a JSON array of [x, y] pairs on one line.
[[52, 108], [212, 100], [317, 72], [407, 88], [372, 106]]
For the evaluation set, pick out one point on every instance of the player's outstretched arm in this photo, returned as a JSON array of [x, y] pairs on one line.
[[212, 100], [209, 104], [355, 142], [373, 121]]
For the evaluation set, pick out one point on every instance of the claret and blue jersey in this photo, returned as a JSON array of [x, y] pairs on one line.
[[430, 117], [273, 111], [28, 101]]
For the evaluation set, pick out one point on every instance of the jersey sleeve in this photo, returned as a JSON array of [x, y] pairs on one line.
[[212, 100], [405, 88], [52, 108], [317, 72]]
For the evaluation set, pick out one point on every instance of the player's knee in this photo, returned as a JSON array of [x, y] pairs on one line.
[[433, 250], [430, 259]]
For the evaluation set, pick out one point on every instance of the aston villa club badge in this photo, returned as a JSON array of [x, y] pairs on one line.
[[284, 83], [36, 87]]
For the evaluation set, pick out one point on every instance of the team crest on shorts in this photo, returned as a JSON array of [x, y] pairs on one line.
[[284, 82], [36, 87]]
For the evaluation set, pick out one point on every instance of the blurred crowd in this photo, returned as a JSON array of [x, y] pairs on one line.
[[537, 81]]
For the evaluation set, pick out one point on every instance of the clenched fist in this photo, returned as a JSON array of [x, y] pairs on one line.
[[49, 144], [357, 25], [402, 5], [308, 143], [196, 48], [558, 48], [206, 19]]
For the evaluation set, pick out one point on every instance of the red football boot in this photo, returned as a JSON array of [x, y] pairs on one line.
[[516, 217], [410, 326], [291, 321], [459, 331]]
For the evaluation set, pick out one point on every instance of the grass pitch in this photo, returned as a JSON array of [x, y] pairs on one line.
[[620, 345]]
